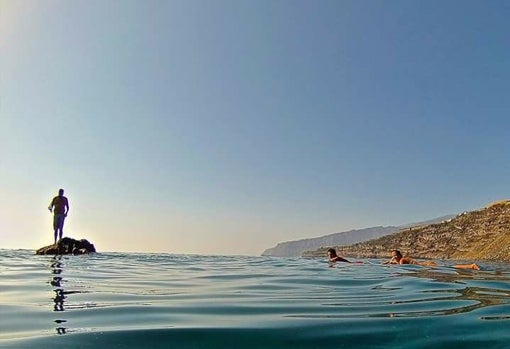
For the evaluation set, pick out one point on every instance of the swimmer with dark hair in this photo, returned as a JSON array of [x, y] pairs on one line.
[[333, 257], [397, 258]]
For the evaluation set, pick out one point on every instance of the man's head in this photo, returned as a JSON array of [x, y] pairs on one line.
[[60, 192], [395, 254], [331, 253]]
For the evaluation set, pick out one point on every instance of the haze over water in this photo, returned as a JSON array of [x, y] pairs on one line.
[[120, 300], [227, 127]]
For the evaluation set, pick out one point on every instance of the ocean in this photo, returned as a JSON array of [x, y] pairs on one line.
[[136, 300]]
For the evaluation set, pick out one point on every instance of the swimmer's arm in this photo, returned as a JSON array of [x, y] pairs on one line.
[[467, 266], [391, 261]]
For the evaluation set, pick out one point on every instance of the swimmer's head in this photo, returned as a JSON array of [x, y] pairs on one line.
[[395, 254]]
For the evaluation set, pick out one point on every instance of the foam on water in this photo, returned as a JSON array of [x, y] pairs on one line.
[[163, 300]]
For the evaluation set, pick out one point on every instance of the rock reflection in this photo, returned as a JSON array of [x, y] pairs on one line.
[[60, 285], [57, 267]]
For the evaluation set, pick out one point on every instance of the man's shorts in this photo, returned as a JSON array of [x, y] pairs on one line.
[[58, 221]]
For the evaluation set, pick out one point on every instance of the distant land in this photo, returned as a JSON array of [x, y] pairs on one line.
[[298, 247], [480, 235]]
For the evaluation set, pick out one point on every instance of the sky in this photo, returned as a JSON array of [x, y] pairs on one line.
[[226, 127]]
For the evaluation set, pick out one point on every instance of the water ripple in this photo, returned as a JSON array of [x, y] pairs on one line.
[[270, 301]]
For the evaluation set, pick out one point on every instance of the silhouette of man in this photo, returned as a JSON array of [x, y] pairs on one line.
[[60, 207]]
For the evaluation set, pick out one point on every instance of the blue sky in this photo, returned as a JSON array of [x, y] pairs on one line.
[[225, 127]]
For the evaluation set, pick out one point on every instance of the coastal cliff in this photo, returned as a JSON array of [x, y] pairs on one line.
[[296, 248], [483, 234]]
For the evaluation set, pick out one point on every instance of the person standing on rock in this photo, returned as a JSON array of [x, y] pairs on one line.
[[60, 208]]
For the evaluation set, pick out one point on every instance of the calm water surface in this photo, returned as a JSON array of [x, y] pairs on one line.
[[115, 300]]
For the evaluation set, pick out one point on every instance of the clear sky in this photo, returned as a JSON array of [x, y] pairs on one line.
[[225, 127]]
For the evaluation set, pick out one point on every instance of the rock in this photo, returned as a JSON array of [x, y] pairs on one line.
[[68, 246]]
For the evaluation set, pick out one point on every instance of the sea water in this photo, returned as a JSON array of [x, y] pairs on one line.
[[117, 300]]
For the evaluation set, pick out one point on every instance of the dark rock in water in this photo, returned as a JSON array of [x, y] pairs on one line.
[[68, 246]]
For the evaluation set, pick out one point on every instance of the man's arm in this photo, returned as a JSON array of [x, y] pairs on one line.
[[50, 207], [67, 208], [339, 259], [392, 260]]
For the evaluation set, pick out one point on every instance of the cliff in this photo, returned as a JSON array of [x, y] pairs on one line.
[[478, 235], [298, 247]]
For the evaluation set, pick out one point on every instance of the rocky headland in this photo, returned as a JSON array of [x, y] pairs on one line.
[[482, 235], [68, 246], [297, 247]]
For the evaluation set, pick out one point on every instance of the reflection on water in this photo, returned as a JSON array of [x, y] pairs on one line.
[[365, 291], [109, 297], [60, 284], [493, 290], [57, 267]]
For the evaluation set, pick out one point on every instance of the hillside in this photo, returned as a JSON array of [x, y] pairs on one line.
[[478, 235], [298, 247]]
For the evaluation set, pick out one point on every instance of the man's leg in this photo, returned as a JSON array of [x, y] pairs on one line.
[[61, 226], [55, 228]]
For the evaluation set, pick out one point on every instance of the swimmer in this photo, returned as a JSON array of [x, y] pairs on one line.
[[333, 257], [397, 258]]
